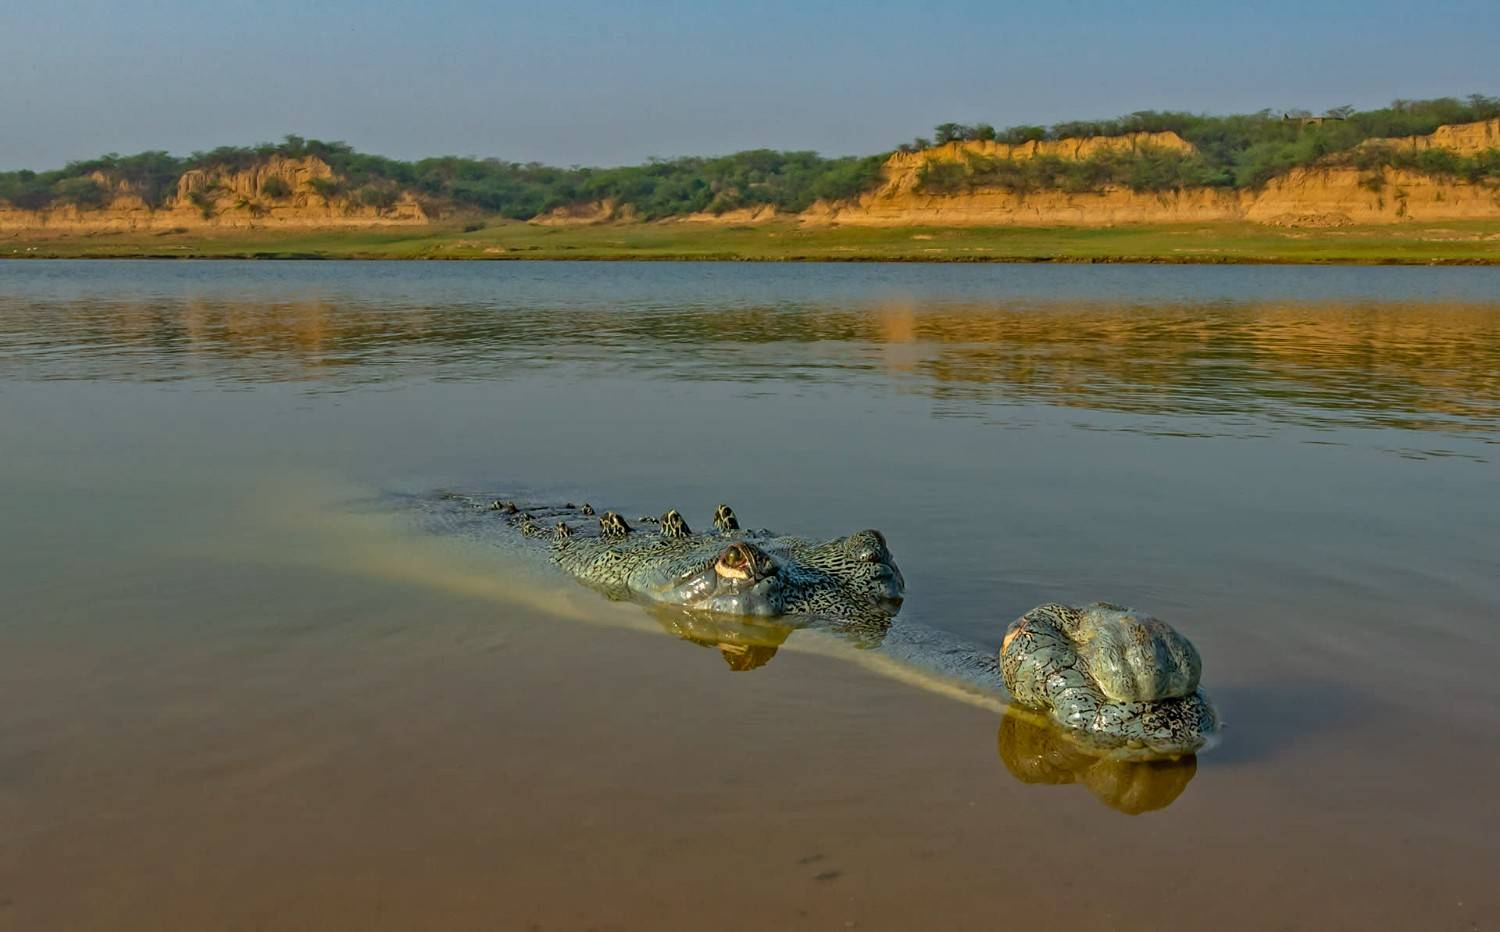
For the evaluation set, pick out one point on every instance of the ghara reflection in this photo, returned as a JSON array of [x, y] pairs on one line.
[[1038, 753]]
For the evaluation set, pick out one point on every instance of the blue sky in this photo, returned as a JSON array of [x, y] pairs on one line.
[[610, 83]]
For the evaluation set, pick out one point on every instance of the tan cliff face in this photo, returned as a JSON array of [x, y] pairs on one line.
[[1462, 138], [278, 192], [757, 214], [998, 207], [585, 213], [1314, 197], [902, 169], [1073, 149], [1318, 196], [1340, 196]]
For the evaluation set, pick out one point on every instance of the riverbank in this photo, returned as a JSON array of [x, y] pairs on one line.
[[1458, 243]]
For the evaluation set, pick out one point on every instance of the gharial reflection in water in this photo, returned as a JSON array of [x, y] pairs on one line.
[[1033, 750], [1318, 364], [1038, 753], [745, 644]]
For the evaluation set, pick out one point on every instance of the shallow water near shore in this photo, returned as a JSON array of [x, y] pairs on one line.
[[240, 695]]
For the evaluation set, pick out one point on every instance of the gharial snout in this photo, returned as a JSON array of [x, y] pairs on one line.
[[885, 583], [890, 588], [881, 578]]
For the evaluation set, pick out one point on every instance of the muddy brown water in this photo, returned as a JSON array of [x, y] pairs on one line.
[[237, 695]]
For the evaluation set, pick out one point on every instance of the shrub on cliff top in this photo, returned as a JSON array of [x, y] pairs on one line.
[[151, 176], [275, 187], [327, 188], [84, 193], [381, 196], [27, 189]]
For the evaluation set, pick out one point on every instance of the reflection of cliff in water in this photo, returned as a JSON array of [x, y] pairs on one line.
[[1035, 752], [1426, 366]]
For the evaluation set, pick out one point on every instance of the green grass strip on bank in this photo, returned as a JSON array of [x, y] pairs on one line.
[[1471, 242]]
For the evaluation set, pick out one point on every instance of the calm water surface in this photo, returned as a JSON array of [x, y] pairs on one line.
[[238, 697]]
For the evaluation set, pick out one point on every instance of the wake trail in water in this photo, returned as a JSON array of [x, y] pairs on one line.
[[403, 537]]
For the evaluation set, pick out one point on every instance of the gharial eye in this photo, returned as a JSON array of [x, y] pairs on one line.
[[735, 562]]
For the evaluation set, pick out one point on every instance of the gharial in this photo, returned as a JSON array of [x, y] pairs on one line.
[[1112, 678]]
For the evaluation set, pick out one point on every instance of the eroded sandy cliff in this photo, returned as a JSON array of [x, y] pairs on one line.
[[279, 192], [1319, 196], [306, 193]]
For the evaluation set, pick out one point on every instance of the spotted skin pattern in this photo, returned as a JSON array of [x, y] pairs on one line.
[[725, 520], [673, 525], [612, 526]]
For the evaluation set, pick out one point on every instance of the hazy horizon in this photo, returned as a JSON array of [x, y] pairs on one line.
[[590, 84]]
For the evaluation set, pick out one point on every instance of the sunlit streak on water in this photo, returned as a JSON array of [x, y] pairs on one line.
[[315, 511]]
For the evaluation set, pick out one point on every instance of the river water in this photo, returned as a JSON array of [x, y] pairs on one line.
[[237, 695]]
